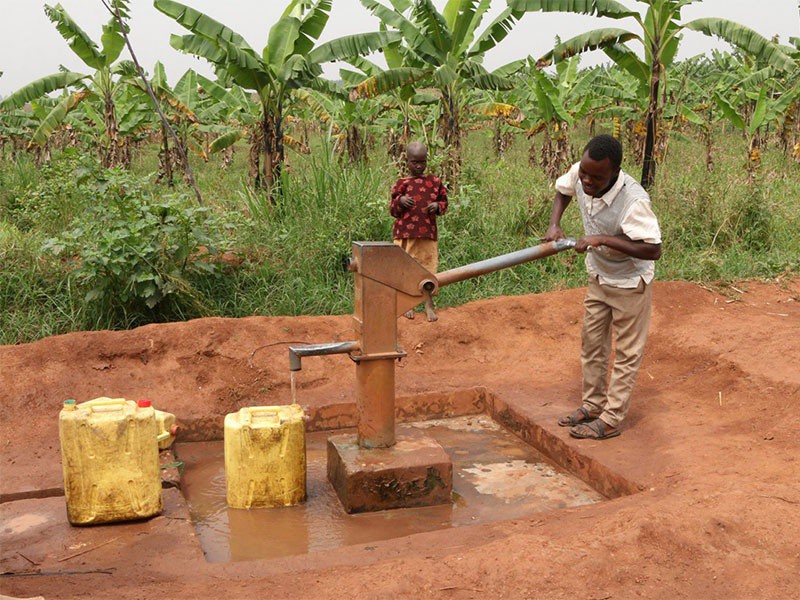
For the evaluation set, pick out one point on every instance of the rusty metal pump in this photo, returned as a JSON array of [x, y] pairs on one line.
[[389, 282]]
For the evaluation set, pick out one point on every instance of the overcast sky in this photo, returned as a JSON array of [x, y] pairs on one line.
[[30, 46]]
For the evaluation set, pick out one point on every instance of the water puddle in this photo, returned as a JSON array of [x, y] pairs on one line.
[[496, 477]]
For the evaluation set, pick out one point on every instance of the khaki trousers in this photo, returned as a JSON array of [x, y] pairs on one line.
[[626, 312], [423, 250]]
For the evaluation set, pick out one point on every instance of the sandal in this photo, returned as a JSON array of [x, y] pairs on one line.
[[597, 431], [573, 419]]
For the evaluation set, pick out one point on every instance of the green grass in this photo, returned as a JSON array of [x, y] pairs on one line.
[[716, 227]]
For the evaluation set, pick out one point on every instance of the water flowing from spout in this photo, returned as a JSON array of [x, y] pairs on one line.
[[293, 378]]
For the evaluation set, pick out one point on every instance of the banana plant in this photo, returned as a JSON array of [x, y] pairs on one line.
[[214, 114], [290, 60], [767, 107], [660, 32], [352, 123], [501, 109], [699, 108], [107, 81], [232, 115], [182, 117], [445, 50], [790, 131], [15, 128], [562, 100], [405, 99]]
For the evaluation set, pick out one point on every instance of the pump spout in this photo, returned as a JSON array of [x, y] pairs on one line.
[[297, 352]]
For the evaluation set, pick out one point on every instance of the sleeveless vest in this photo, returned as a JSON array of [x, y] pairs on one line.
[[611, 266]]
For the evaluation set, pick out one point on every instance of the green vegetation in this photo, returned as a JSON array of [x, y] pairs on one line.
[[129, 250], [97, 229]]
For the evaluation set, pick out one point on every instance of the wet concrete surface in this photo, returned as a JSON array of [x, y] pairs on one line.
[[496, 476]]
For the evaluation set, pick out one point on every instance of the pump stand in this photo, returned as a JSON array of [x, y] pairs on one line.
[[374, 469]]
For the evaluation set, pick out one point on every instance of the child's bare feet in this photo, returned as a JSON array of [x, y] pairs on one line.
[[429, 308], [409, 315]]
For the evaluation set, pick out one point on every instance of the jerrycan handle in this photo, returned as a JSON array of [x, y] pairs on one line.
[[172, 432], [108, 405], [260, 412]]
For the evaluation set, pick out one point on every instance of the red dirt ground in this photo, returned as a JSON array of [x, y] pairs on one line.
[[712, 442]]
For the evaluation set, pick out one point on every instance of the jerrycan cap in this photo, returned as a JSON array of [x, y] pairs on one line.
[[144, 403], [69, 404]]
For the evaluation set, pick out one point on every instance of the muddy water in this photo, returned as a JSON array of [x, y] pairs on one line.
[[496, 477]]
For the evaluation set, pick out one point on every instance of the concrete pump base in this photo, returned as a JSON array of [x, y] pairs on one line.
[[416, 471]]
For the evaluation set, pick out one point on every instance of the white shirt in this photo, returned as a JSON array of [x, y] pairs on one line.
[[623, 209]]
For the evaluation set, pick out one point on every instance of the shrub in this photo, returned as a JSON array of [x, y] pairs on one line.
[[59, 192], [133, 253]]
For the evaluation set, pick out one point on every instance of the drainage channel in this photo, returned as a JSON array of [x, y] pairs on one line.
[[496, 477]]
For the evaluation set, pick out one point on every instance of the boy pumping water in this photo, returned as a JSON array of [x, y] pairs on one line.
[[416, 201]]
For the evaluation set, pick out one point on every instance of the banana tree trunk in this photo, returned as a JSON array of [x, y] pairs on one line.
[[227, 157], [547, 155], [708, 137], [356, 145], [256, 144], [561, 154], [796, 128], [17, 147], [450, 131], [753, 157], [41, 153], [393, 145], [114, 154], [497, 139], [272, 141], [532, 152], [165, 159], [796, 135], [652, 125]]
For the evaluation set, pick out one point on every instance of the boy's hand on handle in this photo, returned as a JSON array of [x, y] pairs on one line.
[[407, 201], [554, 232], [433, 207], [588, 242]]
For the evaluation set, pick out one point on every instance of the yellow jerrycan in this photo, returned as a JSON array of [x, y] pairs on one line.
[[265, 456], [109, 453]]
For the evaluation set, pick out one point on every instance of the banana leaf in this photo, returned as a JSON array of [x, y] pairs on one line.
[[352, 45], [199, 23], [597, 8], [746, 39], [432, 25], [386, 81], [591, 40], [56, 117], [78, 40], [729, 112], [496, 31], [41, 87], [226, 140]]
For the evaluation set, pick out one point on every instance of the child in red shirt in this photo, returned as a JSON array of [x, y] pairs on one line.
[[416, 200]]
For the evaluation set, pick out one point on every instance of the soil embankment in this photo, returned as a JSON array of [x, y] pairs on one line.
[[711, 443]]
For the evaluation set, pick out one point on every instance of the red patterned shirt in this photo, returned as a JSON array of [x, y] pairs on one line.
[[416, 222]]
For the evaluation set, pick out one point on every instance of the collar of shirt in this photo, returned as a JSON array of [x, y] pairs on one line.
[[609, 196], [595, 205]]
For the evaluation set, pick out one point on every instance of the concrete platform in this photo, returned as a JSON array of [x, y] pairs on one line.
[[416, 471], [38, 540]]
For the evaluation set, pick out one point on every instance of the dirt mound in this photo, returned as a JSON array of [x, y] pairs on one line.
[[711, 435]]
